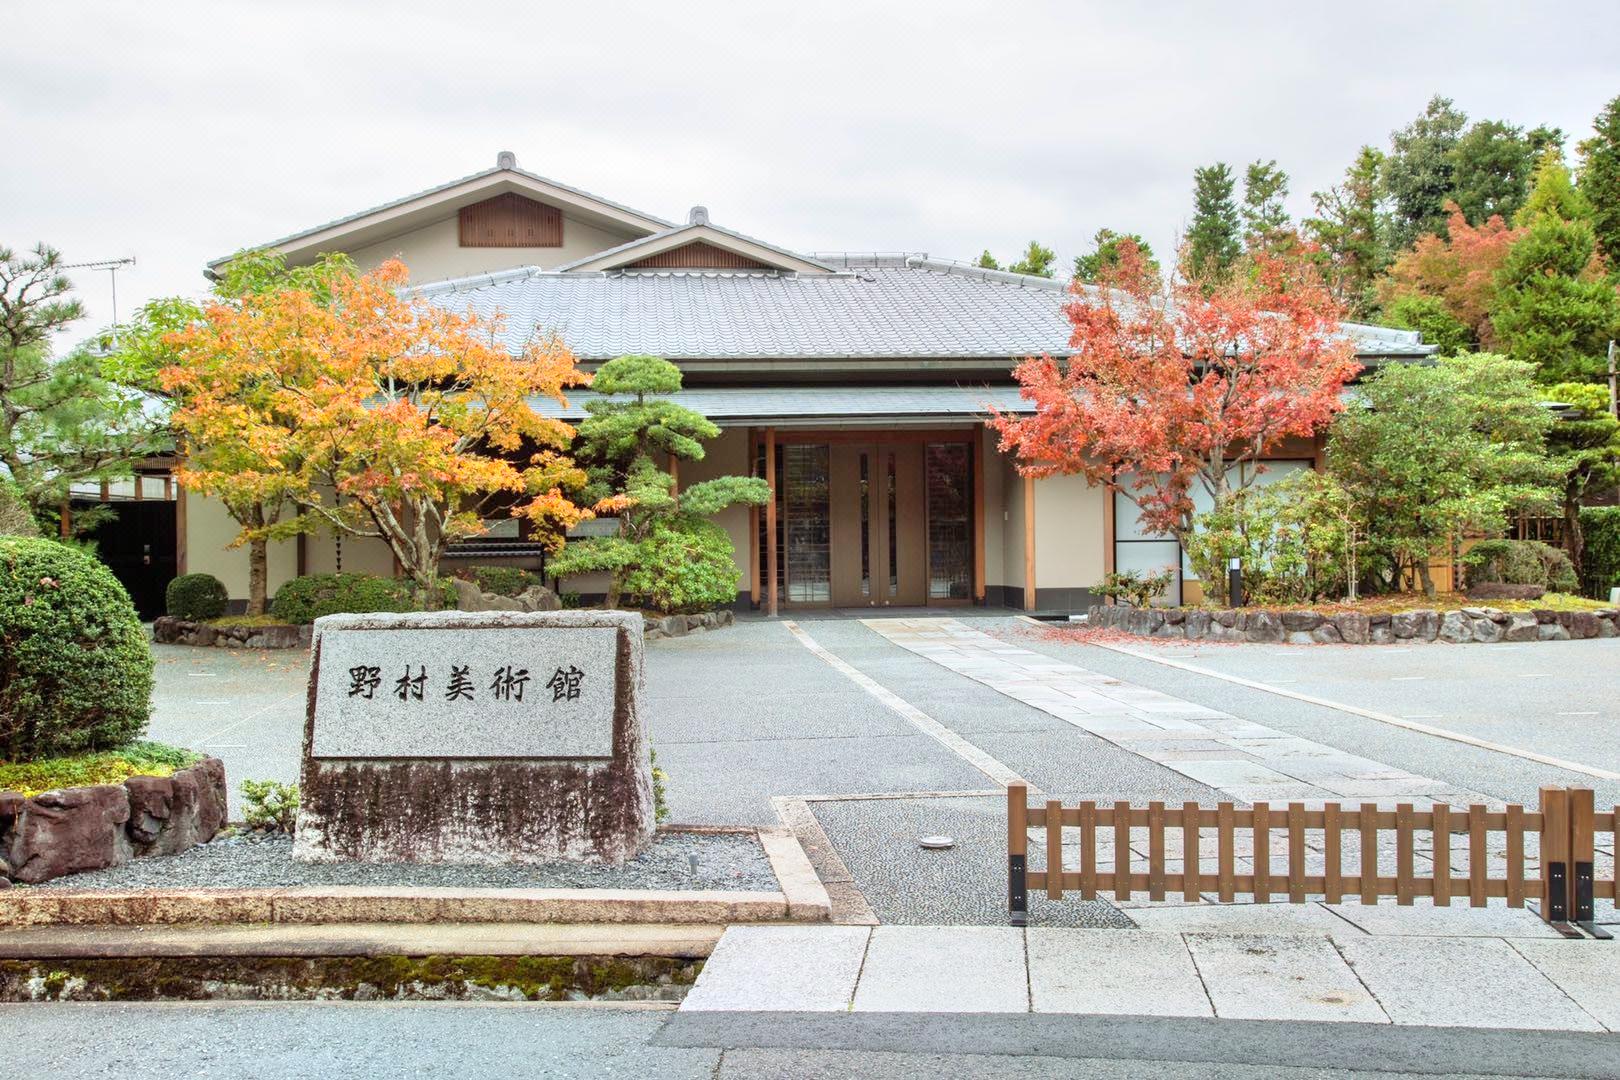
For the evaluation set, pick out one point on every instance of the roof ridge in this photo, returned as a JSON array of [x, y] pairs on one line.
[[968, 270]]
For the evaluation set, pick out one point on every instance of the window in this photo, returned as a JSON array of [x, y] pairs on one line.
[[950, 521]]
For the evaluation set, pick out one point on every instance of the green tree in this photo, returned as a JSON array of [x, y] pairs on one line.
[[1420, 173], [62, 419], [1491, 168], [1600, 179], [1430, 316], [1213, 238], [988, 261], [1036, 261], [1351, 230], [1585, 445], [1105, 255], [1266, 224], [1432, 453], [1555, 307], [632, 423]]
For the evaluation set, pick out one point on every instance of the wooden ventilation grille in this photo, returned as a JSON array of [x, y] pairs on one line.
[[510, 220], [697, 256]]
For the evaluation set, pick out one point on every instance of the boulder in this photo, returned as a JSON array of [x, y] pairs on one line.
[[1521, 626], [1197, 625], [1380, 633], [1580, 624], [1352, 627], [539, 598], [1486, 630], [1607, 626], [1427, 624], [1301, 620], [1227, 618], [469, 597], [1263, 626], [1403, 625], [1175, 616], [1456, 628], [1326, 634], [1551, 631], [68, 832], [169, 814]]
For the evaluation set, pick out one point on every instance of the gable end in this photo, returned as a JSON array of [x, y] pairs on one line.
[[697, 256], [510, 220]]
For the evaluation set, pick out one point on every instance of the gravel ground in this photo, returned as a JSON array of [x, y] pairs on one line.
[[963, 886], [731, 861]]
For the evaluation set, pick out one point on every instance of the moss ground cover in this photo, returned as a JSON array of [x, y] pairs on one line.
[[102, 767]]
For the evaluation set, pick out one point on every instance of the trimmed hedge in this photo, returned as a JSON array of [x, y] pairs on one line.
[[510, 581], [75, 668], [1600, 561], [1521, 562], [305, 599], [687, 566], [196, 597]]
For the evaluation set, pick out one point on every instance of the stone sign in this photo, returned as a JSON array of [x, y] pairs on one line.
[[477, 737]]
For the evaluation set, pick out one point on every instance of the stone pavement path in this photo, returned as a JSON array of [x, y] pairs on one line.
[[1517, 982], [1247, 761]]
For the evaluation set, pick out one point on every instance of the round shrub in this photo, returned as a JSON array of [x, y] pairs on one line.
[[196, 597], [75, 669], [305, 599], [1520, 562], [685, 567]]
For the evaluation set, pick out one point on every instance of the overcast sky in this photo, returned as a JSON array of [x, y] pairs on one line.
[[177, 132]]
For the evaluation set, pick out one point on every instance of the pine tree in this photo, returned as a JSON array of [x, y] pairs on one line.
[[1090, 267], [1212, 238], [1266, 224], [1420, 174], [1555, 307], [1491, 168], [1600, 180], [988, 261], [1351, 229], [1037, 261]]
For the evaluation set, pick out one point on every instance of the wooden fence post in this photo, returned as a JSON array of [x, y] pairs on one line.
[[1018, 854], [1554, 855], [1582, 825]]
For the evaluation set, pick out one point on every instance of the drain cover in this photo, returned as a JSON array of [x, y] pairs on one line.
[[936, 843]]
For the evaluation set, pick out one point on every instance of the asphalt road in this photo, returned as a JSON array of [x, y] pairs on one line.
[[446, 1041]]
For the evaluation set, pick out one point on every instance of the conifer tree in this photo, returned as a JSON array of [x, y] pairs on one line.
[[1600, 180], [1213, 243]]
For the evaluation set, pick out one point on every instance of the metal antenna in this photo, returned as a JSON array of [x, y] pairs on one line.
[[112, 266]]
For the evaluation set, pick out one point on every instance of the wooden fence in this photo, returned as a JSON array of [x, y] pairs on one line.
[[1560, 872]]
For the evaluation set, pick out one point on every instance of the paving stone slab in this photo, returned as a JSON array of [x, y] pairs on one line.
[[1587, 971], [961, 969], [1113, 972], [1280, 977], [1237, 918], [1450, 982], [781, 969], [1423, 919]]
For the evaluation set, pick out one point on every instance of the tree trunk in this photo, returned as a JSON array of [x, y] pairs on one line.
[[1574, 538], [1425, 577], [258, 575]]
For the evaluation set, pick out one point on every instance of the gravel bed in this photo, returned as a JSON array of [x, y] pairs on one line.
[[676, 860]]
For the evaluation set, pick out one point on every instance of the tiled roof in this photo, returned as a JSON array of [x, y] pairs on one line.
[[730, 406], [919, 309]]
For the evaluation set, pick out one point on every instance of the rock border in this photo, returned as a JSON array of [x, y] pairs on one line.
[[1457, 627], [668, 626], [802, 899], [75, 829], [172, 630]]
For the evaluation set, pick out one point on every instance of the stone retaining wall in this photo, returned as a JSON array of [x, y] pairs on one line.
[[1469, 624], [169, 630], [91, 828], [680, 625]]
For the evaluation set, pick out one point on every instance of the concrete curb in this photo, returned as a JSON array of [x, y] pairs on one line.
[[360, 939], [801, 898]]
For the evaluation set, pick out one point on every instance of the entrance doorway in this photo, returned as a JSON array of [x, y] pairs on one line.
[[871, 522]]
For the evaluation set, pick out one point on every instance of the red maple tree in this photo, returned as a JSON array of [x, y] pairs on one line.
[[1174, 384]]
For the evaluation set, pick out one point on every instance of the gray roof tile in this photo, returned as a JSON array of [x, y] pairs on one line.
[[922, 309]]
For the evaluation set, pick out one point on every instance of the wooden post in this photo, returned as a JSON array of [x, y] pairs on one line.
[[1260, 824], [1441, 834], [1017, 850], [1054, 849], [1332, 853], [179, 529], [1554, 855], [1477, 855], [1515, 855], [1296, 853], [1029, 543], [1404, 854], [1122, 851], [977, 459], [1191, 871], [1155, 851], [770, 523], [1582, 847], [1368, 820], [65, 519], [753, 524], [1088, 850]]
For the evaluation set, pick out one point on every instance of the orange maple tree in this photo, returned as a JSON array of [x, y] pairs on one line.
[[1173, 384], [376, 414], [1458, 269]]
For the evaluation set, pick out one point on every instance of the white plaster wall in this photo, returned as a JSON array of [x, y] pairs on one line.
[[434, 252], [209, 532], [1069, 535]]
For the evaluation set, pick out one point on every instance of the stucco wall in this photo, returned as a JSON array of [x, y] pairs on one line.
[[209, 532], [1069, 535], [1012, 529], [434, 252]]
